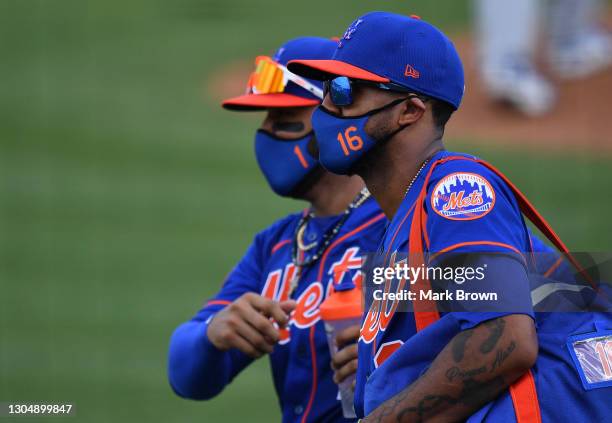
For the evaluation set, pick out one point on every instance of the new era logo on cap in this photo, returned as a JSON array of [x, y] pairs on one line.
[[411, 72], [382, 46]]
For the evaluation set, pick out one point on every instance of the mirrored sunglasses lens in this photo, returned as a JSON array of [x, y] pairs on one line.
[[340, 91], [267, 77]]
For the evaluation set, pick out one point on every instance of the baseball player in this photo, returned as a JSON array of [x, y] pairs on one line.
[[577, 47], [392, 85], [269, 303]]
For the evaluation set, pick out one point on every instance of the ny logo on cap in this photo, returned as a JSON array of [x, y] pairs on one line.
[[349, 32]]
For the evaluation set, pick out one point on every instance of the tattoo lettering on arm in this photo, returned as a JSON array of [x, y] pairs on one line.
[[455, 372], [468, 373], [502, 355]]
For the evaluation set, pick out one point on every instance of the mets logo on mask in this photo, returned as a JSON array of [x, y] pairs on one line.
[[463, 196]]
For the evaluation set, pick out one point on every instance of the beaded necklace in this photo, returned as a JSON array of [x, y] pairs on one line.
[[298, 244]]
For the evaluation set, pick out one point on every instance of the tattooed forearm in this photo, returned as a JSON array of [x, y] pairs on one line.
[[502, 355], [474, 393], [474, 368], [496, 328], [459, 344], [388, 409], [427, 404], [496, 331], [455, 372]]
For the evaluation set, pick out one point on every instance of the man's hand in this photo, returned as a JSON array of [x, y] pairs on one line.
[[475, 367], [246, 324], [344, 362]]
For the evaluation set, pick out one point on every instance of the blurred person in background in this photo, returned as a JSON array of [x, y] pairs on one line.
[[269, 303], [507, 33]]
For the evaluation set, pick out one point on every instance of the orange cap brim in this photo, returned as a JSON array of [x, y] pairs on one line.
[[264, 101], [325, 69]]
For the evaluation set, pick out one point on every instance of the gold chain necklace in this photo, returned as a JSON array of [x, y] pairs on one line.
[[300, 240], [417, 175]]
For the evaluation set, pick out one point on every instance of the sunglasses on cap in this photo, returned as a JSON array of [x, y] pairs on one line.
[[340, 89], [270, 77]]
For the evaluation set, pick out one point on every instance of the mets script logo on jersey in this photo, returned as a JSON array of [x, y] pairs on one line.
[[306, 312], [379, 315], [349, 32], [380, 312], [463, 196]]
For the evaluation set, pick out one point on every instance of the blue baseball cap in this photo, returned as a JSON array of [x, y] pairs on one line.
[[386, 47], [293, 93]]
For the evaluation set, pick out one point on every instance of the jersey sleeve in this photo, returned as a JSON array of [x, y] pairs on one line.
[[469, 208], [196, 368], [473, 218]]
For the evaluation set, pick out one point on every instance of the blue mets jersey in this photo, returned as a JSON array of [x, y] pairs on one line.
[[468, 208], [301, 360]]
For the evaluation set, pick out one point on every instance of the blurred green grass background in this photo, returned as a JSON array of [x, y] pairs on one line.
[[126, 193]]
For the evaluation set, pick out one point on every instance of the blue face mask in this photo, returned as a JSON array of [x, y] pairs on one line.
[[343, 139], [284, 162]]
